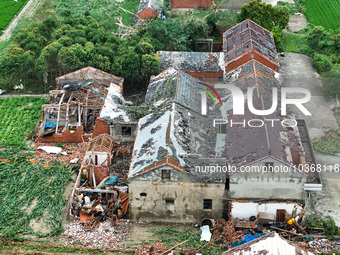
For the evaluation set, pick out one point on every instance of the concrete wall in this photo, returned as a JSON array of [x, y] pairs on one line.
[[116, 132], [191, 4], [188, 198], [269, 185]]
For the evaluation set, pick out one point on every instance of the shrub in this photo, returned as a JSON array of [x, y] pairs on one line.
[[322, 63]]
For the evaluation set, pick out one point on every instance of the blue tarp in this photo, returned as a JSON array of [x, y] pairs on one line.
[[247, 238]]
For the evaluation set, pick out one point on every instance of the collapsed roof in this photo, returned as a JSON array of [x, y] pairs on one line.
[[176, 86], [116, 109], [248, 36], [153, 4], [192, 61], [90, 73], [246, 145], [177, 137], [271, 243]]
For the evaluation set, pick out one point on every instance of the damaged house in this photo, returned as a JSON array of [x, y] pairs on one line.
[[190, 4], [246, 42], [174, 173], [87, 102], [149, 8]]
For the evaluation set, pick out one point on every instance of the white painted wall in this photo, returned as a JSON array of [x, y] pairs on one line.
[[247, 209]]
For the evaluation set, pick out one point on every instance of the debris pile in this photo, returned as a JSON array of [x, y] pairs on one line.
[[106, 236], [152, 249], [322, 245], [71, 152], [224, 232]]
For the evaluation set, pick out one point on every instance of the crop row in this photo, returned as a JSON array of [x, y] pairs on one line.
[[18, 118], [324, 13], [31, 193], [9, 8]]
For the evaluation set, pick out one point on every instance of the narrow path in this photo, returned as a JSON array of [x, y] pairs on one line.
[[27, 11]]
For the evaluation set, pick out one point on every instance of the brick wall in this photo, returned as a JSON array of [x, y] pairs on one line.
[[101, 127], [191, 4], [245, 58], [64, 137], [100, 173], [147, 13]]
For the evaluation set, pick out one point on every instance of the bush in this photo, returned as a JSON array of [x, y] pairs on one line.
[[321, 63]]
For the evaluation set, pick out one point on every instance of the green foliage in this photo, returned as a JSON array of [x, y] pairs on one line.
[[296, 43], [328, 144], [9, 8], [327, 223], [172, 235], [18, 118], [221, 21], [322, 63], [314, 37], [265, 15], [323, 13], [278, 37], [30, 193], [290, 7]]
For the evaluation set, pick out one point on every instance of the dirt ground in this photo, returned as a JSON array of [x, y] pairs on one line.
[[296, 23], [297, 71]]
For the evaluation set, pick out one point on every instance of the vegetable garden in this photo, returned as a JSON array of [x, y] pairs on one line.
[[31, 193], [324, 13], [9, 8], [18, 118]]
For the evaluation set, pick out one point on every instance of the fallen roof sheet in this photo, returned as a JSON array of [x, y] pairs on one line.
[[207, 62], [271, 243]]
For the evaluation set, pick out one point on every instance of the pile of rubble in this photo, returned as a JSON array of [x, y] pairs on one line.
[[70, 153], [322, 245], [224, 232], [152, 249], [106, 236]]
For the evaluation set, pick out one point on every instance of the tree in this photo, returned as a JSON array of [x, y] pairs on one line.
[[265, 14], [314, 36], [150, 65]]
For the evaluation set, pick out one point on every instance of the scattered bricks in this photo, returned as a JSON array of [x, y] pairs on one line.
[[153, 249], [106, 236]]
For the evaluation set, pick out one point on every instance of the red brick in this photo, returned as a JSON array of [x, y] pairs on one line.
[[191, 4]]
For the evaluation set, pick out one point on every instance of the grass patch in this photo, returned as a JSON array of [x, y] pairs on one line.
[[296, 43], [325, 13], [9, 8], [328, 144]]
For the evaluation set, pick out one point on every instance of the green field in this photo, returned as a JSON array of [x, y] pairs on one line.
[[18, 118], [9, 8], [31, 195], [324, 13]]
